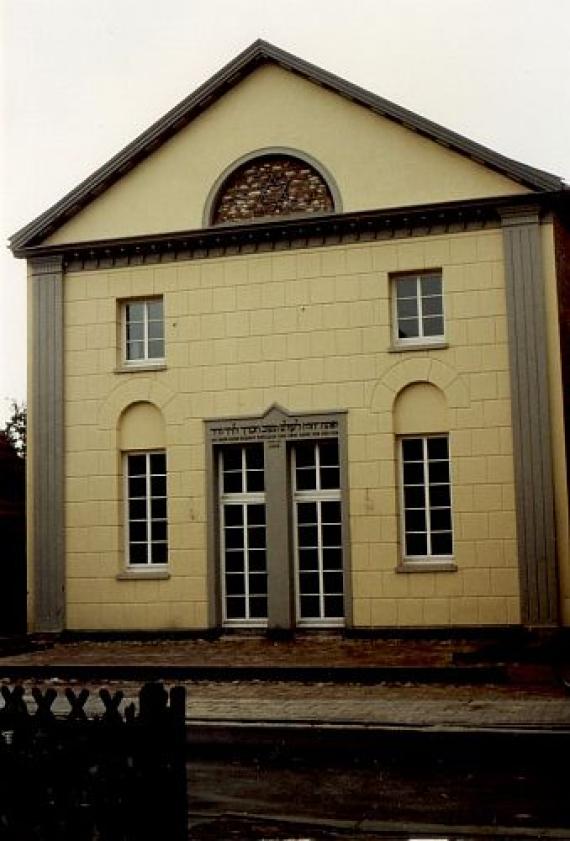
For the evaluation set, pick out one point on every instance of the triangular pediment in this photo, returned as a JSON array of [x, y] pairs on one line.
[[375, 154]]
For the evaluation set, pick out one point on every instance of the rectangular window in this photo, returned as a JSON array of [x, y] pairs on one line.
[[146, 504], [418, 308], [143, 330], [426, 497], [317, 515], [243, 534]]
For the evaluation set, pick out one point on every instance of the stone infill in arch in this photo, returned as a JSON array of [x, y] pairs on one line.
[[272, 185]]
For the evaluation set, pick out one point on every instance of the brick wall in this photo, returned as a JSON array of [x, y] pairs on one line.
[[309, 329], [272, 186]]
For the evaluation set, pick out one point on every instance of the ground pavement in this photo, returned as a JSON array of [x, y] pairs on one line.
[[315, 681]]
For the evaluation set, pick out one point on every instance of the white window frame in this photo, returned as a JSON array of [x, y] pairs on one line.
[[148, 564], [145, 361], [317, 495], [420, 339], [243, 499], [429, 557]]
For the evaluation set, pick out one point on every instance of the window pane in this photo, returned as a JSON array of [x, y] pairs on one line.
[[439, 495], [257, 561], [159, 553], [234, 561], [330, 512], [407, 308], [158, 530], [158, 485], [442, 543], [135, 312], [430, 285], [135, 331], [156, 349], [235, 607], [255, 481], [332, 536], [138, 553], [256, 537], [258, 607], [157, 463], [135, 350], [310, 607], [254, 457], [437, 448], [333, 582], [438, 472], [433, 326], [334, 607], [416, 544], [137, 531], [413, 473], [232, 483], [155, 310], [234, 538], [406, 287], [329, 453], [415, 520], [309, 559], [309, 582], [306, 479], [233, 515], [412, 449], [235, 585], [330, 478], [258, 584], [137, 487], [304, 454], [136, 465], [440, 519], [137, 509], [408, 328], [231, 458], [414, 496], [256, 515], [308, 536], [432, 306], [332, 559], [307, 512], [156, 330]]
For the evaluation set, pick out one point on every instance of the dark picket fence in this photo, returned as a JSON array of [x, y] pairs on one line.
[[117, 776]]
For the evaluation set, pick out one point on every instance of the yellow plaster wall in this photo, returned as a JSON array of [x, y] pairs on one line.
[[309, 329], [561, 502], [376, 163]]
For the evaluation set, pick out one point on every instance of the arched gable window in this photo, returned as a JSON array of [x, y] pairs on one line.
[[275, 184]]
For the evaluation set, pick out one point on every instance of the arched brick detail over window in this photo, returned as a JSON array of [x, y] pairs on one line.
[[272, 185]]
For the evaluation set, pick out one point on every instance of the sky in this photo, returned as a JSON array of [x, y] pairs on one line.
[[82, 78]]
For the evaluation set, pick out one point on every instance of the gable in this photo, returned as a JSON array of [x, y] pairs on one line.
[[375, 162]]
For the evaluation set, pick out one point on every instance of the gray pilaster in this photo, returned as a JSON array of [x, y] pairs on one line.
[[531, 417], [279, 573], [46, 399]]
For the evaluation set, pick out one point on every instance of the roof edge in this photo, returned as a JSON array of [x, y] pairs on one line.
[[303, 226], [212, 89]]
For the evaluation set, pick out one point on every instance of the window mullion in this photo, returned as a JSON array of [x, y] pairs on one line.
[[148, 510], [246, 560], [426, 494], [420, 307]]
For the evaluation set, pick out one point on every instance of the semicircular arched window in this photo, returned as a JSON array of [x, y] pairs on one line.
[[271, 185]]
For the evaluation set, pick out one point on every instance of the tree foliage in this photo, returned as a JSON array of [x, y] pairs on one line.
[[15, 428]]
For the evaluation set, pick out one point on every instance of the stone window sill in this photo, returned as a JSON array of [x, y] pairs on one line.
[[396, 348], [427, 566], [143, 575], [134, 369]]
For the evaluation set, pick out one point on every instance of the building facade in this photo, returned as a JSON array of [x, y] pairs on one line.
[[297, 360]]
